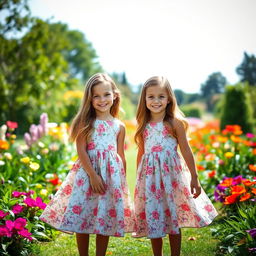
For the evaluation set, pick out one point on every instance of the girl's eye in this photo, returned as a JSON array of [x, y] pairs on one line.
[[95, 96], [150, 97], [162, 97]]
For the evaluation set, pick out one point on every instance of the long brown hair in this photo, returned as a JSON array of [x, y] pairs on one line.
[[82, 123], [143, 113]]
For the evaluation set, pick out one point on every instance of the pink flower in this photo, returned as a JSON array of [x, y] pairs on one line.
[[185, 207], [111, 147], [17, 194], [145, 133], [165, 131], [110, 168], [110, 123], [153, 188], [149, 170], [40, 203], [9, 224], [20, 223], [91, 145], [53, 214], [198, 219], [83, 225], [112, 213], [117, 234], [186, 192], [174, 184], [250, 135], [24, 233], [89, 192], [3, 214], [75, 167], [155, 215], [100, 129], [30, 202], [4, 231], [16, 209], [101, 221], [127, 212], [67, 190], [157, 148], [12, 125], [117, 194], [77, 209], [208, 208], [80, 182]]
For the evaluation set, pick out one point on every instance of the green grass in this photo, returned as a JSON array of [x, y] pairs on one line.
[[65, 245]]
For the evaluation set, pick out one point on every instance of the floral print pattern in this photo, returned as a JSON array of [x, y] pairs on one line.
[[163, 202], [75, 208]]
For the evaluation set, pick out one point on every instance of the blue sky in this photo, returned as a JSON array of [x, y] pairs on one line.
[[185, 40]]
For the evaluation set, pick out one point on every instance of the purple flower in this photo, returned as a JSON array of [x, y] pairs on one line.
[[33, 132], [252, 249], [3, 214], [237, 180], [44, 122], [17, 209], [252, 232], [28, 139]]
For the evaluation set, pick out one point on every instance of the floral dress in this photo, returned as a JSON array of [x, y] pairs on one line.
[[163, 201], [75, 208]]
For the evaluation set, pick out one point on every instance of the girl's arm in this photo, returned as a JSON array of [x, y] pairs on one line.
[[95, 180], [188, 156], [120, 144], [140, 153]]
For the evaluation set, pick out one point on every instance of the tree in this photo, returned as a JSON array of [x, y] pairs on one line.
[[215, 84], [236, 108], [247, 69]]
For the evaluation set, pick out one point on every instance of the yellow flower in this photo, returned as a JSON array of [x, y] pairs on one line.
[[13, 136], [34, 166], [74, 158], [38, 185], [45, 151], [43, 192], [229, 154], [25, 160]]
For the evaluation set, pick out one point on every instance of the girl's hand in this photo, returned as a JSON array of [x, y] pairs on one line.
[[97, 184], [195, 187]]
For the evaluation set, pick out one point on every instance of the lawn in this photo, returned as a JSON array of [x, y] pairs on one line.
[[194, 241]]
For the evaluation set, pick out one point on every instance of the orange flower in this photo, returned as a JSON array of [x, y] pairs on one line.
[[231, 199], [247, 182], [236, 139], [238, 190], [254, 191], [200, 167], [252, 167], [211, 174], [222, 139], [254, 151], [4, 144], [227, 182], [245, 197]]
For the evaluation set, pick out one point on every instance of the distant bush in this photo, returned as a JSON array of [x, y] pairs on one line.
[[191, 111]]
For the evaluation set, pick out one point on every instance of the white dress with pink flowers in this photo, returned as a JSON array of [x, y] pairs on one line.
[[75, 208], [163, 202]]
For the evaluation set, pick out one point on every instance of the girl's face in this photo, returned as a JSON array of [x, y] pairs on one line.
[[102, 98], [156, 99]]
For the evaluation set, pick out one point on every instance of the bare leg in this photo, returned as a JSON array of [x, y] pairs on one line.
[[157, 245], [175, 243], [83, 244], [101, 245]]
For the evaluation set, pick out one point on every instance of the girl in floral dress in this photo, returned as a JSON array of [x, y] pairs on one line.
[[168, 194], [93, 199]]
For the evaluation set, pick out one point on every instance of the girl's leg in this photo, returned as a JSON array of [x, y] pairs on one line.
[[82, 244], [175, 244], [101, 245], [157, 245]]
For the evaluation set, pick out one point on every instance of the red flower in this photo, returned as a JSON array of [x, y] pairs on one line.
[[155, 215], [157, 148], [12, 125], [185, 207], [67, 190], [77, 209], [127, 212], [112, 213], [208, 208], [95, 211], [143, 215]]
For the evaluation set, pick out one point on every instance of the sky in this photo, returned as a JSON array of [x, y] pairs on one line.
[[184, 40]]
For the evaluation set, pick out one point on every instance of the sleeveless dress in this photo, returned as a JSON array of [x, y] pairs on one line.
[[163, 201], [75, 208]]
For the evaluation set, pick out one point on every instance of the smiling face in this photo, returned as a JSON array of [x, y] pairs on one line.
[[102, 98], [156, 99]]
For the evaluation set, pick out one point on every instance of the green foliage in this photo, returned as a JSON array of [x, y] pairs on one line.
[[191, 111], [247, 69], [236, 108], [232, 232]]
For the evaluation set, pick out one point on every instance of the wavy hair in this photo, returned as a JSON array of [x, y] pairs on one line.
[[82, 123], [143, 113]]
